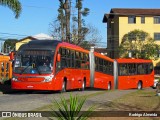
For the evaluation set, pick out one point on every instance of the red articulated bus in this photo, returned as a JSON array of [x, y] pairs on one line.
[[56, 65], [134, 73]]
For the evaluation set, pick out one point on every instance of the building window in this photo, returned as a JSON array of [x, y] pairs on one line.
[[131, 19], [157, 20], [156, 36], [142, 19]]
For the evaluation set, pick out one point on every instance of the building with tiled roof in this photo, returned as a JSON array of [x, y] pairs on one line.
[[120, 21], [40, 36]]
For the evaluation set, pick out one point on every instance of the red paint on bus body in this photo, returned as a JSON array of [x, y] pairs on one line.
[[131, 80]]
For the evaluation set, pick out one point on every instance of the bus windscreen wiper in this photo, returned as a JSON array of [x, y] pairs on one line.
[[38, 70], [24, 70]]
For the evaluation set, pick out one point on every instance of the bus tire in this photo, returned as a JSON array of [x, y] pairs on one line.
[[139, 85], [109, 86], [63, 87], [83, 85]]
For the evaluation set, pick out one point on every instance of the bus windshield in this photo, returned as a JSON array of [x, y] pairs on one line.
[[34, 62]]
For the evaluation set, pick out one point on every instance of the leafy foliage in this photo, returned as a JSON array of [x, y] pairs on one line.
[[78, 29], [71, 110], [14, 5], [9, 44], [140, 44]]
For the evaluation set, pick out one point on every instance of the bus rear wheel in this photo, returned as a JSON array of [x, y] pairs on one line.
[[139, 86], [83, 86], [109, 86], [63, 87]]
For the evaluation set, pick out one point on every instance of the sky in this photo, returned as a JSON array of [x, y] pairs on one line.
[[36, 16]]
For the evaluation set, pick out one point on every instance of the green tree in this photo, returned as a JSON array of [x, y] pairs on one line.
[[61, 17], [67, 29], [139, 44], [81, 13], [9, 45], [67, 9], [14, 5]]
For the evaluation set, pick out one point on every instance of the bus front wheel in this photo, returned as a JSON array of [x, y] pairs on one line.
[[109, 86], [83, 85], [139, 87], [63, 86]]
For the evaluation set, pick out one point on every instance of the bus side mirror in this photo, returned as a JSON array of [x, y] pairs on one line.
[[11, 55], [58, 57]]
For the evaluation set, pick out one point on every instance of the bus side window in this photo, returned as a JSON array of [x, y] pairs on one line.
[[77, 60], [140, 69], [123, 69], [63, 58], [96, 64], [84, 61], [101, 65], [150, 67], [68, 59]]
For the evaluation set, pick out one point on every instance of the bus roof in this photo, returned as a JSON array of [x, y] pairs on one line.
[[48, 44], [103, 56], [71, 46], [130, 60], [75, 47]]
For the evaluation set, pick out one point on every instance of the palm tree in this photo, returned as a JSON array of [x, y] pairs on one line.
[[14, 5], [81, 12]]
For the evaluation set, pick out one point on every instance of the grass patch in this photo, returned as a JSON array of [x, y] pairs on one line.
[[142, 100]]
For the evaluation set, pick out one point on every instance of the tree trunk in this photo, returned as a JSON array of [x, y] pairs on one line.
[[62, 29], [79, 22], [67, 14]]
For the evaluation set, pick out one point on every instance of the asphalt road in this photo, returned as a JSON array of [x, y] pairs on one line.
[[21, 101]]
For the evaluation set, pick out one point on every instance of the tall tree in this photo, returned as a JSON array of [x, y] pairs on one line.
[[61, 18], [139, 44], [81, 12], [79, 30], [14, 5], [67, 14]]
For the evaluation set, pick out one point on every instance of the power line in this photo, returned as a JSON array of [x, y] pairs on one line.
[[12, 34], [38, 7]]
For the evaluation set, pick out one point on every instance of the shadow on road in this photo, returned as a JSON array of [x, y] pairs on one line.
[[5, 88]]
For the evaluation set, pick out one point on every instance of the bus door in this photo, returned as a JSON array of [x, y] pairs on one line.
[[132, 75], [124, 78], [78, 71], [66, 67], [144, 73]]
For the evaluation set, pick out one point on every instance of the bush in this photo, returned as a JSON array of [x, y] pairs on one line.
[[71, 109]]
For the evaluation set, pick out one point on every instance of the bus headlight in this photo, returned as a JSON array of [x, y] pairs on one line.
[[48, 78], [15, 78]]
